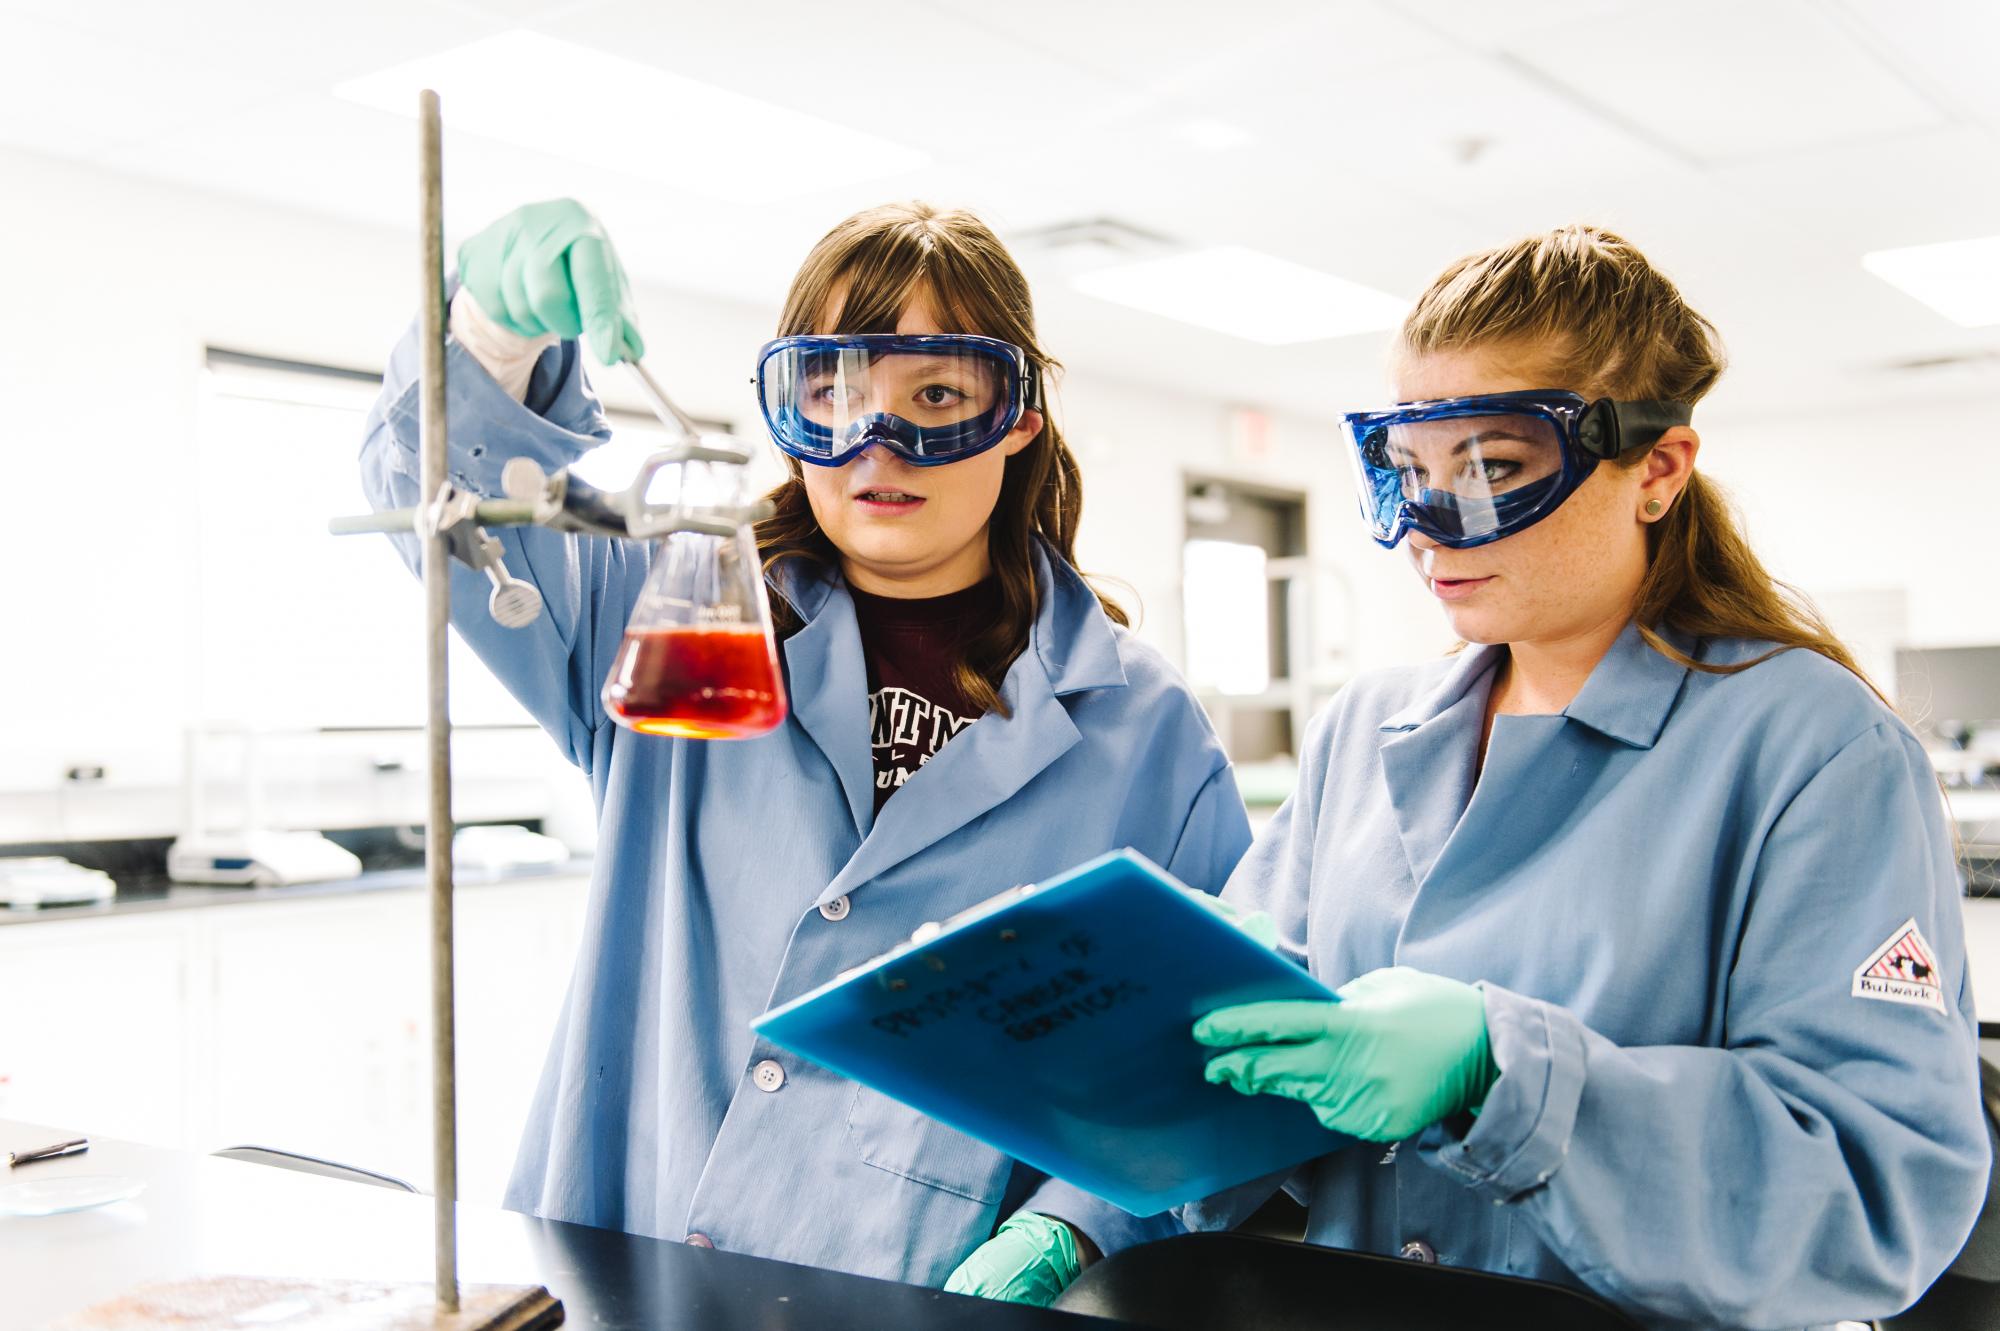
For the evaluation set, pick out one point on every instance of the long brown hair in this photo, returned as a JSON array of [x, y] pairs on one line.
[[1586, 308], [880, 259]]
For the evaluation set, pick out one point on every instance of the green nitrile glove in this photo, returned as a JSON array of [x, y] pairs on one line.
[[549, 268], [1401, 1050], [1030, 1260], [1256, 923]]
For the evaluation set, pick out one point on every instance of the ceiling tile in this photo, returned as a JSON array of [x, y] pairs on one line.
[[293, 46], [1472, 136], [1180, 47], [1483, 24], [918, 74], [1907, 190], [1945, 47], [1725, 81]]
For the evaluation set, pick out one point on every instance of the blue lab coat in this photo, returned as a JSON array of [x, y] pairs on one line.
[[733, 876], [1666, 891]]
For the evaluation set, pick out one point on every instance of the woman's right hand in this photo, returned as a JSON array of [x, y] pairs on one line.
[[548, 268]]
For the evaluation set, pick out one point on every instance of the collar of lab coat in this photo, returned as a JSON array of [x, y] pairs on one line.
[[1633, 690], [1071, 649], [1427, 751], [1071, 638], [1628, 697]]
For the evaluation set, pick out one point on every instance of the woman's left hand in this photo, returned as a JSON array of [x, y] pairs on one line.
[[1030, 1260], [1399, 1051]]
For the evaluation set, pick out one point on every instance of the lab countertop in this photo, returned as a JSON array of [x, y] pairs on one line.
[[154, 892], [200, 1216]]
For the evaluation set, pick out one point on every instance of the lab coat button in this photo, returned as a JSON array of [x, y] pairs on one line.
[[768, 1075], [835, 909], [700, 1241], [1419, 1251]]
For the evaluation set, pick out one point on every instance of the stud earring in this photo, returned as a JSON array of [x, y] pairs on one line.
[[1654, 508]]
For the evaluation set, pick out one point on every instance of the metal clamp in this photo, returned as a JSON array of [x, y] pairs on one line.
[[563, 502], [452, 514], [644, 519]]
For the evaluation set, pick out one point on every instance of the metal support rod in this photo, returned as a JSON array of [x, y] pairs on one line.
[[489, 513], [437, 726]]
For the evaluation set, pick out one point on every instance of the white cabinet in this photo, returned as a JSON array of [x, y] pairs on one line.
[[93, 1027], [315, 1032], [516, 947], [302, 1025]]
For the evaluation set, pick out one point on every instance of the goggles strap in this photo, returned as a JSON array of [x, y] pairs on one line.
[[1612, 429]]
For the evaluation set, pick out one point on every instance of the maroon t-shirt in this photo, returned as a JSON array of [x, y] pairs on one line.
[[914, 703]]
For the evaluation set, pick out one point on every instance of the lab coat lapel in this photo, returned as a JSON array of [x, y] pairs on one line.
[[1540, 770], [1537, 775], [828, 683], [1429, 756]]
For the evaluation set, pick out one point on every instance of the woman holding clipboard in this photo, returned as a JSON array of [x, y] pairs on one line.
[[1642, 907]]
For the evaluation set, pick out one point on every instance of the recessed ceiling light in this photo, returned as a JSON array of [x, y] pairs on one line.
[[1960, 279], [634, 118], [1247, 294]]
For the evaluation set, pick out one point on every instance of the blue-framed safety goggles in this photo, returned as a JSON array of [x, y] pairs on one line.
[[929, 398], [1467, 471]]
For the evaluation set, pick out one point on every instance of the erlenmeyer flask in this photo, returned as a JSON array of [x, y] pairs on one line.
[[699, 660]]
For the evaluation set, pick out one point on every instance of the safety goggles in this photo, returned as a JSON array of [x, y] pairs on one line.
[[930, 398], [1467, 471]]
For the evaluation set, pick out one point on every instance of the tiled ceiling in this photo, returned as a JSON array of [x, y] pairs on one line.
[[1756, 147]]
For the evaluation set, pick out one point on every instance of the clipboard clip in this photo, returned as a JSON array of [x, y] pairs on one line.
[[931, 929]]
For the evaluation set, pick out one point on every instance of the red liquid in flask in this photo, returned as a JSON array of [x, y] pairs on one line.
[[696, 683]]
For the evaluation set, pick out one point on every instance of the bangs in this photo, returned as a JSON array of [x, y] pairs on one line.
[[882, 274]]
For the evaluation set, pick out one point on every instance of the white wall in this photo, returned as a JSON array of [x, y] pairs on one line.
[[1903, 500]]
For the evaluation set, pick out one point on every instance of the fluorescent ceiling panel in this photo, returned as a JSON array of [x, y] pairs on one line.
[[633, 118], [1246, 294], [1960, 279]]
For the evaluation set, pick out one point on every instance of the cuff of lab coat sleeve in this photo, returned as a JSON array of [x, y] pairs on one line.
[[1109, 1227], [506, 355], [1523, 1129], [488, 428]]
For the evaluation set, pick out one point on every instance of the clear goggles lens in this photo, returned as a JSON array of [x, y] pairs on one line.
[[1460, 479], [929, 399]]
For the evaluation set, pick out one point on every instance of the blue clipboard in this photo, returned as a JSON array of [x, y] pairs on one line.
[[1052, 1023]]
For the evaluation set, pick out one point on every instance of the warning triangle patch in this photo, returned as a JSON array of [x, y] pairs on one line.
[[1902, 970]]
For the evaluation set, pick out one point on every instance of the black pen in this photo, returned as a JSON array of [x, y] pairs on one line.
[[74, 1147]]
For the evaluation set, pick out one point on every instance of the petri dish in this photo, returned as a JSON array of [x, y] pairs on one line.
[[75, 1192]]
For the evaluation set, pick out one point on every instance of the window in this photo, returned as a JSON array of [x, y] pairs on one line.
[[297, 627], [294, 627]]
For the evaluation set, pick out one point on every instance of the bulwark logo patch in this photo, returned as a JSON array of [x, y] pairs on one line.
[[1902, 970]]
